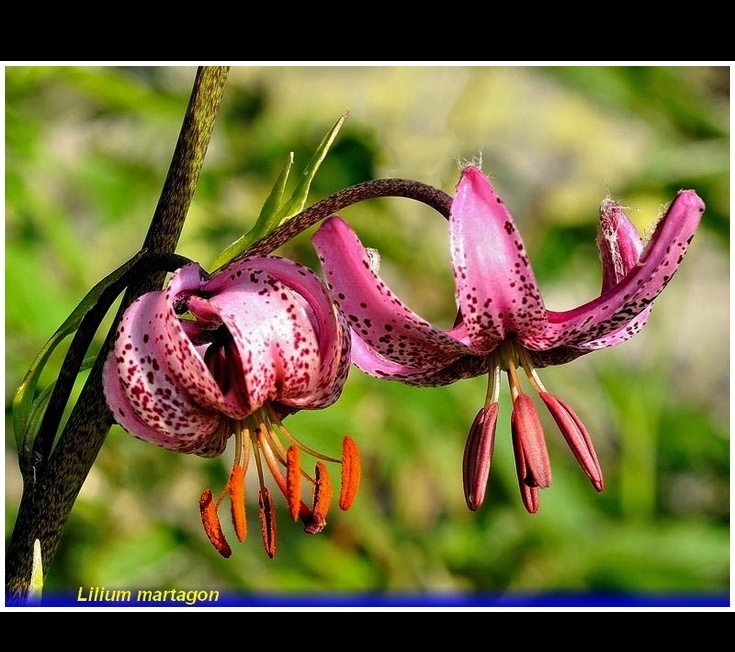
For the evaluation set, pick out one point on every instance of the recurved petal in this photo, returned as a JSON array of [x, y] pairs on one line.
[[619, 335], [309, 292], [375, 314], [328, 321], [496, 287], [371, 362], [566, 353], [277, 350], [619, 243], [620, 246], [142, 394], [619, 313], [184, 362]]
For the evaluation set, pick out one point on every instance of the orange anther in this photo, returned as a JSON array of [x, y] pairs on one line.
[[350, 473], [237, 501], [293, 481], [322, 500], [212, 525], [267, 521]]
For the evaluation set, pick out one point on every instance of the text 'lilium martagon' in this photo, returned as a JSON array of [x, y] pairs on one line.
[[207, 358], [503, 324]]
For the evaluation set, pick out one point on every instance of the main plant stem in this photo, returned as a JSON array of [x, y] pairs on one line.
[[47, 501]]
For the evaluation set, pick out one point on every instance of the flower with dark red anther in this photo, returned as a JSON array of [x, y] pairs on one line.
[[503, 324], [232, 354]]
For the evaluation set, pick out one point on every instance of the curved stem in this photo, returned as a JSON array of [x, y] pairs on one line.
[[432, 197]]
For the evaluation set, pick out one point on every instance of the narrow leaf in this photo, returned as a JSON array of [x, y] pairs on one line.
[[23, 399], [299, 195], [266, 222], [276, 209]]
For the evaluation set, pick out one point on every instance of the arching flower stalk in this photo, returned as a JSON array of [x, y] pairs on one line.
[[503, 324], [209, 358]]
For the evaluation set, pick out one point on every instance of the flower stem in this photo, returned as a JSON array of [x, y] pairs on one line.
[[48, 499], [432, 197]]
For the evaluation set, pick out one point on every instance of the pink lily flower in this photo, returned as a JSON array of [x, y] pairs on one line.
[[208, 358], [503, 324]]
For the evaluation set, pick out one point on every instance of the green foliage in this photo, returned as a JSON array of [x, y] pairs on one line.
[[278, 207], [28, 402], [87, 150]]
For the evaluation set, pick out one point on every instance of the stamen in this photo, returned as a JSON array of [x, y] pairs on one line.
[[263, 446], [237, 501], [242, 445], [351, 470], [268, 438], [533, 377], [509, 355], [493, 380], [528, 438], [212, 525], [577, 438], [529, 494], [260, 445], [322, 500], [569, 424], [267, 520], [268, 450], [276, 421], [293, 481], [477, 456]]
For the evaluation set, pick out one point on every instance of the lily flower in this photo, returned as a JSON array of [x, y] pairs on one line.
[[502, 323], [209, 358]]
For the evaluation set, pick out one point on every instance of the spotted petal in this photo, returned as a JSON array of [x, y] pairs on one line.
[[496, 287], [144, 395], [620, 247], [177, 381], [397, 340], [623, 305], [619, 243], [279, 333], [183, 361], [461, 367], [329, 324]]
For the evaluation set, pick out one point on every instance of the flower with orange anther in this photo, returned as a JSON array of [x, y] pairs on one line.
[[233, 354], [502, 323]]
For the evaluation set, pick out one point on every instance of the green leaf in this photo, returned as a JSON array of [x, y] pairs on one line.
[[299, 195], [266, 222], [276, 209], [27, 408]]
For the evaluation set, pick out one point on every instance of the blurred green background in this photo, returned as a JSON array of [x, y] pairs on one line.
[[87, 150]]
